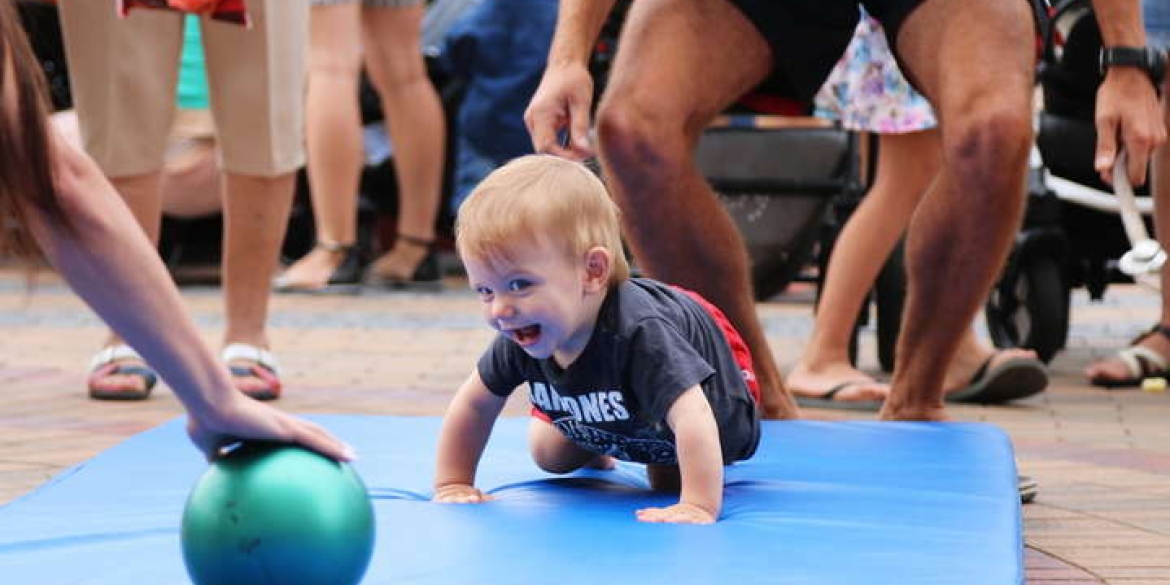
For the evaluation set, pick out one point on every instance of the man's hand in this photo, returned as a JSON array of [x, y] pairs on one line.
[[1128, 117], [680, 513], [460, 493], [561, 104]]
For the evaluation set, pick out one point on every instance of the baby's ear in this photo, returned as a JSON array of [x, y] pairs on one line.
[[598, 266]]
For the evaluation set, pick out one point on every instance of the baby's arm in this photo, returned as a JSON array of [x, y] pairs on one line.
[[700, 461], [466, 428]]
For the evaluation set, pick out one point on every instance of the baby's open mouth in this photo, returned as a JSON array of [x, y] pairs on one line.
[[526, 335]]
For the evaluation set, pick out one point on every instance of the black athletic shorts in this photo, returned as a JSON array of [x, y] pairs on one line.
[[808, 37]]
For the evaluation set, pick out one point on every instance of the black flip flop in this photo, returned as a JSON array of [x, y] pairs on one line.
[[828, 400], [1010, 380]]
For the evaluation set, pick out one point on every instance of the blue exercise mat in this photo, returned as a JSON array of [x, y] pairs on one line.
[[820, 503]]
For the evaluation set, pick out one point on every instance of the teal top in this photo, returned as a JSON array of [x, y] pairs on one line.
[[192, 89]]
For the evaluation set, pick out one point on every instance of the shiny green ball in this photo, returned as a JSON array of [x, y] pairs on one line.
[[273, 514]]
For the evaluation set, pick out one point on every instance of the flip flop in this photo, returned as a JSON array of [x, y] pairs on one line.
[[828, 400], [1010, 380]]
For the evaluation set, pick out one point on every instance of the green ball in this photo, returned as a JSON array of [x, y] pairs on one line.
[[274, 514]]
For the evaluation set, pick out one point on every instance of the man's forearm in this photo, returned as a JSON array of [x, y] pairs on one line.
[[1120, 22], [578, 24]]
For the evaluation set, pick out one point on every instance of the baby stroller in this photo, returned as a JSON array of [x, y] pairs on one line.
[[1071, 235]]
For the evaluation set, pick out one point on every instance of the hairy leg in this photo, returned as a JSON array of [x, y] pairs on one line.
[[681, 62], [906, 165], [974, 61]]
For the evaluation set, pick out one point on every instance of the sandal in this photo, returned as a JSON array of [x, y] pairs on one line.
[[426, 276], [263, 368], [346, 277], [119, 360], [1140, 362]]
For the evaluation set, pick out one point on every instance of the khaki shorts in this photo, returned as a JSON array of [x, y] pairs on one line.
[[123, 73]]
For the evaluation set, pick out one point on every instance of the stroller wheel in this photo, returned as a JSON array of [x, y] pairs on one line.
[[1029, 308]]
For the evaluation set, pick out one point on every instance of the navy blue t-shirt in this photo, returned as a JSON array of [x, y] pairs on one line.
[[651, 343]]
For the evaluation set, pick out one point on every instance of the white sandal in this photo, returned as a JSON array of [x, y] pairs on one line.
[[1140, 362], [264, 367], [111, 361]]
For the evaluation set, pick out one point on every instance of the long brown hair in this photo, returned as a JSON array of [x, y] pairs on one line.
[[26, 169]]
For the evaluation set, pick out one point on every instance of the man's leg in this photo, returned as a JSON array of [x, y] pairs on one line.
[[974, 61], [680, 63]]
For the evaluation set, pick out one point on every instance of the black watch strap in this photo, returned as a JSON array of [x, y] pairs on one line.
[[1148, 59]]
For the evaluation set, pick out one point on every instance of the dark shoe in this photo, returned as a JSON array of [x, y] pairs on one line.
[[1011, 379], [427, 275], [346, 278], [1029, 488]]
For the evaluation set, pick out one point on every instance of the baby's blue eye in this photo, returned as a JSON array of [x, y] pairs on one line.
[[519, 284], [483, 292]]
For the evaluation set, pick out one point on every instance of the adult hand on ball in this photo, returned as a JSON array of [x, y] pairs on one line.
[[240, 418]]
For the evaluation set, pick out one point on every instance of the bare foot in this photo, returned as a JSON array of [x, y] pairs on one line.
[[851, 384], [913, 413], [602, 462], [312, 270]]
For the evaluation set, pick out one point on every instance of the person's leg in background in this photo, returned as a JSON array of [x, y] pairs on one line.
[[668, 82], [414, 117], [123, 73], [1150, 353], [333, 133], [866, 92], [906, 165], [256, 77], [974, 61]]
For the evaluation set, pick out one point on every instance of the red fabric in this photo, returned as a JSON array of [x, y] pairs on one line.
[[739, 349], [233, 11]]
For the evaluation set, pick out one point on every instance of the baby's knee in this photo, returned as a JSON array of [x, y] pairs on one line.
[[556, 461]]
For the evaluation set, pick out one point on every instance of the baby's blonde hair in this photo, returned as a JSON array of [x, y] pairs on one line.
[[535, 199]]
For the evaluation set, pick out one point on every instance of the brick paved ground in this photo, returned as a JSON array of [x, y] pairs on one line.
[[1102, 457]]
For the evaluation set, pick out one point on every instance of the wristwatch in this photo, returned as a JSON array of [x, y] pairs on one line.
[[1148, 59]]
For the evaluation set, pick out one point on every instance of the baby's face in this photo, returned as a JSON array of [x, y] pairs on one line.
[[536, 298]]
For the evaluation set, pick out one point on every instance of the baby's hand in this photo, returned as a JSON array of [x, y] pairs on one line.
[[680, 513], [459, 493]]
